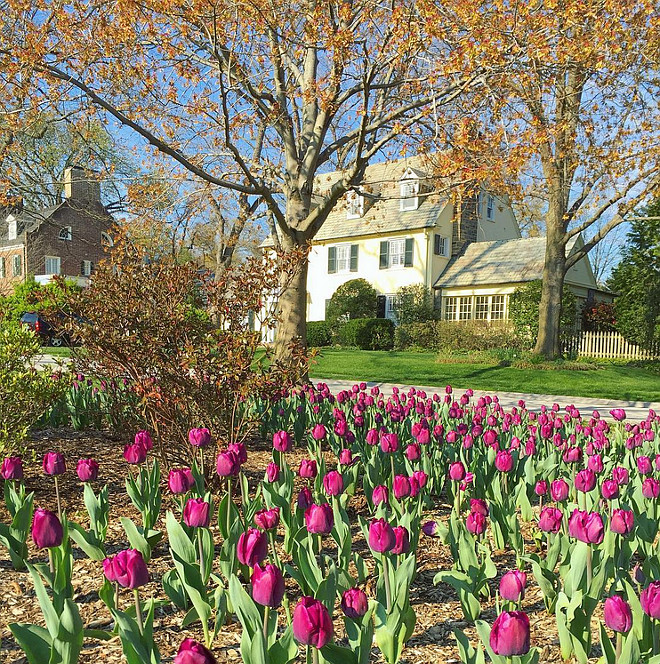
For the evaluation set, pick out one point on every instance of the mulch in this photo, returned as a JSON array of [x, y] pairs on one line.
[[437, 608]]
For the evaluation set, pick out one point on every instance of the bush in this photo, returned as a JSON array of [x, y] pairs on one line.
[[599, 317], [367, 334], [354, 299], [318, 334], [448, 336], [28, 295], [414, 304], [25, 392]]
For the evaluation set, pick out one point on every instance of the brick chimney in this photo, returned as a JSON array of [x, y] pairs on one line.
[[81, 185], [465, 225]]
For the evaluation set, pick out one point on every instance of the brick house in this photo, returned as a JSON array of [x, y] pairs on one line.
[[67, 239]]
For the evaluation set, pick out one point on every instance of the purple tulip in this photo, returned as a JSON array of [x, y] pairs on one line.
[[650, 488], [199, 437], [413, 452], [53, 463], [354, 603], [197, 513], [227, 464], [308, 469], [46, 529], [541, 488], [12, 468], [479, 506], [130, 569], [476, 523], [312, 624], [421, 478], [380, 494], [457, 471], [381, 536], [585, 480], [644, 465], [595, 463], [372, 437], [304, 498], [109, 570], [650, 600], [267, 519], [87, 470], [333, 483], [389, 442], [617, 613], [402, 540], [272, 472], [319, 432], [345, 457], [239, 450], [609, 489], [619, 414], [180, 480], [401, 487], [620, 475], [192, 652], [586, 526], [622, 522], [252, 547], [319, 519], [512, 585], [510, 634], [559, 490], [550, 519], [430, 528], [135, 453], [504, 461], [267, 585]]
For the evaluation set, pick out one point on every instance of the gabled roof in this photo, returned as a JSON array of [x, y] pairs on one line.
[[499, 262]]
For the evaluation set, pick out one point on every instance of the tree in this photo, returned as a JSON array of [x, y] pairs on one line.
[[414, 304], [636, 280], [355, 298], [579, 107], [261, 98]]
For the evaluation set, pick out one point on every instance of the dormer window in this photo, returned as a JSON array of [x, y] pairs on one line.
[[409, 190], [65, 233], [11, 228], [355, 205]]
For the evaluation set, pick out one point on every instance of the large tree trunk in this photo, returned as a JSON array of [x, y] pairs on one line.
[[548, 341]]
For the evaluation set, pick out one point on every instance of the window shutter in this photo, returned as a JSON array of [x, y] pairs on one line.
[[409, 253], [82, 268], [354, 257], [436, 245], [91, 267], [332, 260], [384, 255], [381, 301]]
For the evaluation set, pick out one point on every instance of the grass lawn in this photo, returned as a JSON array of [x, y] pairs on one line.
[[59, 351], [409, 368]]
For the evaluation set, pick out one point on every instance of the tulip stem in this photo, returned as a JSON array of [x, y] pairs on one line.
[[51, 563], [315, 655], [619, 645], [655, 637], [386, 577], [321, 561], [457, 499], [200, 545], [392, 466], [244, 498], [589, 566], [138, 611], [271, 537], [266, 616], [59, 504], [201, 466], [228, 506]]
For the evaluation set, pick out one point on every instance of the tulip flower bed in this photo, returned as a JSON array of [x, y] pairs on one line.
[[359, 527]]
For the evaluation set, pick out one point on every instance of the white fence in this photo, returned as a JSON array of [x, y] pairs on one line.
[[607, 345]]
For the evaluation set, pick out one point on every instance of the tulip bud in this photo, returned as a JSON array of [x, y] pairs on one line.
[[272, 472], [430, 528], [319, 432], [617, 614], [504, 461], [53, 463], [372, 437], [135, 454], [585, 480], [619, 414], [319, 519], [196, 513], [510, 634], [199, 437], [512, 585], [130, 569], [620, 475], [644, 465], [308, 468], [227, 464], [476, 523], [333, 483], [267, 519], [389, 442], [304, 498], [609, 489], [380, 494], [559, 490], [192, 652], [586, 526], [550, 520], [312, 624], [457, 471], [180, 480], [354, 603], [282, 441], [421, 478], [650, 488], [650, 600], [345, 457], [252, 547], [144, 438], [413, 452], [622, 522], [12, 468], [46, 529], [109, 570], [402, 541], [401, 487], [267, 585], [381, 536], [87, 470], [541, 488], [479, 506]]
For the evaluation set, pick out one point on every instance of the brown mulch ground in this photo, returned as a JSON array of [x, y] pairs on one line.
[[437, 608]]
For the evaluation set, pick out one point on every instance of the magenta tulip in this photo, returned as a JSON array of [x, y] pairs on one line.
[[282, 441], [622, 522], [644, 465], [312, 624], [479, 506], [541, 488], [421, 478], [130, 569], [617, 614], [308, 469], [252, 547], [144, 438], [510, 634], [650, 488], [620, 475], [304, 499], [109, 570], [381, 536], [180, 480], [619, 414], [87, 470], [319, 519], [12, 468], [402, 541], [650, 600], [239, 450], [550, 520], [504, 461], [609, 489], [401, 487], [272, 472], [333, 483], [457, 471], [476, 523], [346, 457], [53, 463], [585, 480], [319, 432], [199, 437], [413, 452], [267, 519], [227, 464], [559, 490], [354, 603], [380, 494], [586, 526], [192, 652], [197, 513], [46, 529], [512, 585], [430, 528], [389, 442], [267, 585], [135, 453]]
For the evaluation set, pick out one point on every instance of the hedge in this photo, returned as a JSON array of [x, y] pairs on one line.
[[367, 333], [318, 334]]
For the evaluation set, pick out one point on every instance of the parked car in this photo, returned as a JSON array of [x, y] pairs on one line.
[[48, 334]]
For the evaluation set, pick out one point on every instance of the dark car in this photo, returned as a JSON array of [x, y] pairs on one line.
[[47, 333]]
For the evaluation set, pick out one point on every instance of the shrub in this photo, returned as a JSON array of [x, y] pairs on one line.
[[452, 336], [414, 304], [28, 295], [318, 334], [353, 299], [25, 392], [367, 333], [599, 317]]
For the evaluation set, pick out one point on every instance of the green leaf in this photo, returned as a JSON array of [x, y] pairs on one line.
[[334, 654], [87, 541], [284, 650], [136, 538], [245, 607], [35, 641], [174, 589], [466, 652]]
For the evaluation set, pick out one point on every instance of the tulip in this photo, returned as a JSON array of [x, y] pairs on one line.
[[512, 585], [130, 569], [504, 461], [402, 541], [380, 494], [644, 465], [430, 528], [650, 600], [389, 442], [479, 506], [54, 464], [541, 488], [510, 634], [650, 488], [180, 480], [381, 536], [401, 487], [319, 432], [620, 475], [272, 472], [333, 483], [619, 414], [135, 453], [192, 652], [319, 519], [476, 523], [585, 480], [143, 438], [617, 613], [354, 603], [457, 471], [227, 464], [595, 463], [46, 529], [199, 437], [622, 521], [609, 489], [372, 437], [586, 526], [559, 490], [345, 457], [12, 468], [267, 585], [304, 498], [267, 519], [308, 468], [421, 478], [550, 520], [196, 513], [252, 547], [239, 450], [312, 624], [87, 470], [413, 452], [109, 570]]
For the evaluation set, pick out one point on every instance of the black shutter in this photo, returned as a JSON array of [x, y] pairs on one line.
[[354, 257], [381, 301], [91, 267], [82, 268], [332, 260], [409, 253], [436, 245], [384, 255]]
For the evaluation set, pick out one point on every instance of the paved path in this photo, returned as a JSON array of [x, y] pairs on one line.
[[636, 410]]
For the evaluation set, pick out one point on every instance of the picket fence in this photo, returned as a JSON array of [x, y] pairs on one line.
[[607, 345]]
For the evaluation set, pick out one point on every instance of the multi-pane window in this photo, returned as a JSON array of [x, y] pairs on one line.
[[16, 265], [481, 307], [440, 245], [490, 208], [397, 251], [355, 205], [343, 258], [409, 191], [450, 308], [478, 307], [465, 308], [106, 240], [52, 265], [498, 307], [11, 228], [390, 307], [65, 233], [86, 268]]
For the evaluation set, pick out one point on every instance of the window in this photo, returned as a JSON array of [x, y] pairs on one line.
[[3, 269], [16, 265], [11, 228], [490, 208], [65, 233], [86, 268], [450, 308], [481, 307], [343, 258], [52, 265], [106, 241], [464, 308], [397, 251], [440, 245], [409, 190], [390, 307], [355, 205], [498, 307]]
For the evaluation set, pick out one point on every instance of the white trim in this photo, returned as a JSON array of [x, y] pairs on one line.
[[12, 228], [353, 198], [58, 262], [69, 234], [347, 268], [12, 247]]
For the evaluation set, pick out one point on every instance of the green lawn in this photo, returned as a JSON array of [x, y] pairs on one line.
[[60, 351], [409, 368]]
